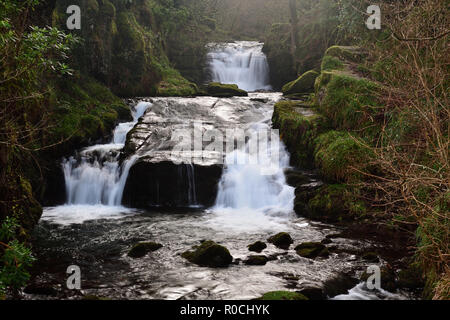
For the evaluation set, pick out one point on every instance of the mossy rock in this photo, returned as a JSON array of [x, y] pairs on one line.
[[337, 153], [388, 279], [298, 131], [346, 53], [217, 89], [282, 295], [335, 202], [331, 63], [348, 101], [141, 249], [311, 250], [303, 84], [256, 260], [281, 240], [258, 246], [209, 254]]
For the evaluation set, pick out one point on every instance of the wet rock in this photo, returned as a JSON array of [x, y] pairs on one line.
[[326, 241], [388, 278], [313, 293], [295, 178], [217, 89], [339, 285], [371, 257], [141, 249], [312, 250], [258, 260], [258, 246], [41, 289], [282, 295], [281, 240], [209, 254]]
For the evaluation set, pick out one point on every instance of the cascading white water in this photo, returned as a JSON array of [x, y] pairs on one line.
[[97, 177], [254, 179], [242, 63]]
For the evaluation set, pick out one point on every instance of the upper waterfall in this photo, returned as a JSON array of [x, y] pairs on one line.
[[242, 63]]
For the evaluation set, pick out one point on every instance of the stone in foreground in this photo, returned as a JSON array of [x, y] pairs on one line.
[[209, 254], [141, 249], [281, 240]]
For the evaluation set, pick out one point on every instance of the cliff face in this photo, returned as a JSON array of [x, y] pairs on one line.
[[124, 45]]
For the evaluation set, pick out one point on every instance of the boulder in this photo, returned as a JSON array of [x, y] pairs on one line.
[[209, 254], [142, 248], [257, 260], [281, 240], [370, 256], [340, 284], [217, 89], [303, 84], [258, 246], [311, 250]]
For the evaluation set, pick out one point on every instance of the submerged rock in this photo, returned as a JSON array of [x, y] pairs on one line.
[[209, 254], [142, 248], [258, 246], [281, 240], [282, 295], [340, 284], [257, 260], [217, 89], [312, 250]]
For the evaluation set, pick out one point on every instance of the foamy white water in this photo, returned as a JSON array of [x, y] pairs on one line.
[[242, 63], [360, 292], [96, 176]]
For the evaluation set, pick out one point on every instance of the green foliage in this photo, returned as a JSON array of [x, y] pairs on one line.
[[15, 258], [331, 63]]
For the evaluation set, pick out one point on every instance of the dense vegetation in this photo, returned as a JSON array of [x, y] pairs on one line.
[[379, 135]]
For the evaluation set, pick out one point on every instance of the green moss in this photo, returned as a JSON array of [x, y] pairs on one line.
[[281, 240], [217, 89], [311, 250], [346, 53], [349, 102], [283, 295], [174, 85], [338, 154], [303, 84], [336, 202], [298, 131], [209, 254], [331, 63]]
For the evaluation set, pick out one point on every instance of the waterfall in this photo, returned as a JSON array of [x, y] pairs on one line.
[[95, 176], [254, 179], [242, 63]]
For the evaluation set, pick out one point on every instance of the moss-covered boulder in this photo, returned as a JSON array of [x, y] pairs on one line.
[[221, 90], [346, 53], [258, 246], [341, 156], [174, 85], [335, 202], [281, 240], [256, 260], [303, 84], [282, 295], [311, 250], [142, 248], [299, 127], [209, 254]]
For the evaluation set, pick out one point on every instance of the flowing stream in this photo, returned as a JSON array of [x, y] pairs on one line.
[[92, 230]]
